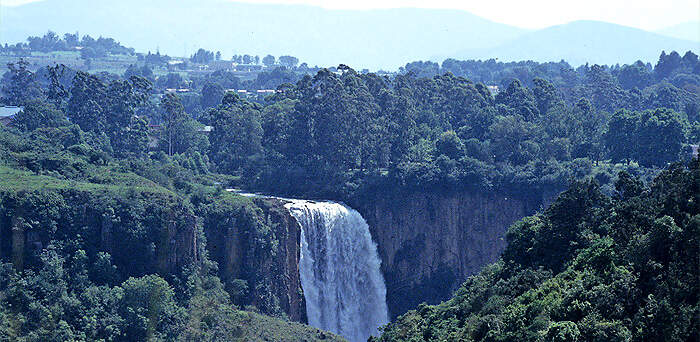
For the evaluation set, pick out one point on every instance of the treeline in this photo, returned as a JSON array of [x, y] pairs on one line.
[[203, 56], [638, 74], [337, 133], [51, 41], [591, 267], [626, 83], [267, 79], [446, 132]]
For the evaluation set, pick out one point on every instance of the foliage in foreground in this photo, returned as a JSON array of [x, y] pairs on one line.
[[60, 302], [589, 268], [95, 248]]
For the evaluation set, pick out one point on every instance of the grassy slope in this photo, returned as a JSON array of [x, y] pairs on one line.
[[15, 179], [255, 327]]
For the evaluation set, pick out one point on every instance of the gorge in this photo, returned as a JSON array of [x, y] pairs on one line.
[[407, 247], [339, 269]]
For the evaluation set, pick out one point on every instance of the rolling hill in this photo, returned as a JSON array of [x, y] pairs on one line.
[[583, 42], [689, 31]]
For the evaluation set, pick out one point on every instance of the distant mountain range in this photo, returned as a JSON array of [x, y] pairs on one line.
[[581, 42], [362, 39], [688, 31]]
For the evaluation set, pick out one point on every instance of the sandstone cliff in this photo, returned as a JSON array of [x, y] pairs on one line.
[[430, 243]]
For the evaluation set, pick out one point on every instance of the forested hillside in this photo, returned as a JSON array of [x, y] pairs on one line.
[[591, 267], [94, 247]]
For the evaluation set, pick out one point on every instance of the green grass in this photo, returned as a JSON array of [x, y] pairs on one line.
[[121, 183], [255, 327], [72, 54]]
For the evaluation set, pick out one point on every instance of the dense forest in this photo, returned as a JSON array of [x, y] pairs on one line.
[[336, 132], [96, 159], [591, 267]]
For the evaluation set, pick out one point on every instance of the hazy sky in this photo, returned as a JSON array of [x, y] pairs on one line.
[[644, 14]]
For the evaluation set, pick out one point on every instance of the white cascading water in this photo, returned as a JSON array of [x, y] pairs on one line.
[[339, 269]]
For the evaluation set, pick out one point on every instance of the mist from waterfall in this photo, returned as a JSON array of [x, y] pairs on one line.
[[339, 269]]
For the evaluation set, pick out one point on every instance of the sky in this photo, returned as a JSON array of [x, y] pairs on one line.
[[531, 14]]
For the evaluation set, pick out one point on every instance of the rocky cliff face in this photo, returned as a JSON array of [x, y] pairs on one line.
[[287, 282], [430, 243], [144, 234], [258, 243]]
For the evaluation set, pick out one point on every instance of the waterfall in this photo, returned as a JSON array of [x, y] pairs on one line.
[[339, 269]]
